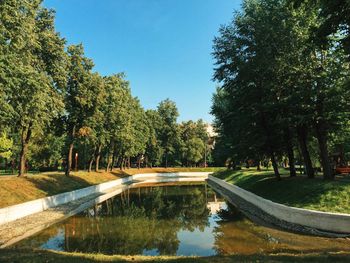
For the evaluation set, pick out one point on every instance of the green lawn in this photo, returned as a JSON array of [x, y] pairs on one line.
[[41, 256], [316, 194]]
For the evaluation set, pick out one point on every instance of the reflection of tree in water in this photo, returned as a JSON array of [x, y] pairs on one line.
[[235, 234], [142, 219], [150, 218]]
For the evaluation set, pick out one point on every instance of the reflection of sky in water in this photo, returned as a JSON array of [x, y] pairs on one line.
[[150, 252], [219, 229], [195, 242], [56, 242], [199, 242]]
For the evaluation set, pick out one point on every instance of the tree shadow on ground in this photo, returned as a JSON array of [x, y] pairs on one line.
[[58, 183]]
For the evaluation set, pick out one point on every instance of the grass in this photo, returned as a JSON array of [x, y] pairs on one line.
[[15, 190], [33, 256], [316, 194]]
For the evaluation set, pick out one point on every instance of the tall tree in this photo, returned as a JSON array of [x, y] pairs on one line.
[[154, 150], [169, 133], [81, 96], [33, 75]]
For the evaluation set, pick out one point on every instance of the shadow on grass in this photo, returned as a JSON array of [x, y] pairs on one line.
[[55, 184], [58, 183], [34, 256]]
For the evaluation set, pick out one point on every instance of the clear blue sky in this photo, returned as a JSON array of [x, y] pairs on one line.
[[163, 46]]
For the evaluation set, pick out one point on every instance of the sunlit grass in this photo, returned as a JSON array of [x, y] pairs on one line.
[[34, 256], [316, 194]]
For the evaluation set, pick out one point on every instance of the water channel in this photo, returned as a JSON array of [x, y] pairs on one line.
[[172, 220]]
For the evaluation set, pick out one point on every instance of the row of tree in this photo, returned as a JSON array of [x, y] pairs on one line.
[[284, 73], [53, 106]]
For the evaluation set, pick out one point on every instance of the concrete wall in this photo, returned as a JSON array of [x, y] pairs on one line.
[[330, 222], [106, 190]]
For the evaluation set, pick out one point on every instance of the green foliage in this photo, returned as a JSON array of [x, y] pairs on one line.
[[6, 145], [168, 133], [194, 140], [56, 107], [276, 82], [154, 150], [46, 151], [33, 70]]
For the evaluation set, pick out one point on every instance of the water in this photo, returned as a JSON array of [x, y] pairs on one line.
[[172, 220]]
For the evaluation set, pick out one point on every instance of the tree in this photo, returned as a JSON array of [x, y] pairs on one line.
[[81, 96], [335, 19], [117, 93], [169, 133], [154, 150], [278, 84], [194, 140], [5, 146], [34, 69]]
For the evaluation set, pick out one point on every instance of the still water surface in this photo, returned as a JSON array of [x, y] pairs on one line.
[[172, 220]]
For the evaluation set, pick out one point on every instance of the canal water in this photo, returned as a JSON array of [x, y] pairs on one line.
[[172, 220]]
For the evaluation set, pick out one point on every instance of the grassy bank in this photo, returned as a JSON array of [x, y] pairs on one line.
[[14, 190], [317, 194], [29, 256]]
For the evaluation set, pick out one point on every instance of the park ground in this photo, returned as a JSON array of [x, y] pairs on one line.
[[38, 256], [15, 190], [318, 194], [315, 194]]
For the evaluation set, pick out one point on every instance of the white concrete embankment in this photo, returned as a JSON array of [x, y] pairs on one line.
[[15, 212], [329, 222]]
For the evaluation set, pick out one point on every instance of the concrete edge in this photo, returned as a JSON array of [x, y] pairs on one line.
[[324, 221], [11, 213], [97, 200]]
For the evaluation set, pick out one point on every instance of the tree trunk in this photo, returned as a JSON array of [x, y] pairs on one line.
[[139, 162], [70, 152], [258, 167], [302, 138], [108, 164], [13, 166], [321, 135], [91, 161], [264, 123], [290, 151], [25, 137], [122, 163], [166, 160], [111, 146], [98, 157], [113, 159], [275, 166]]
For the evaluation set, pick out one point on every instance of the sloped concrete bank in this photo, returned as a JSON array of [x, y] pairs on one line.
[[21, 221], [293, 219], [15, 212]]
